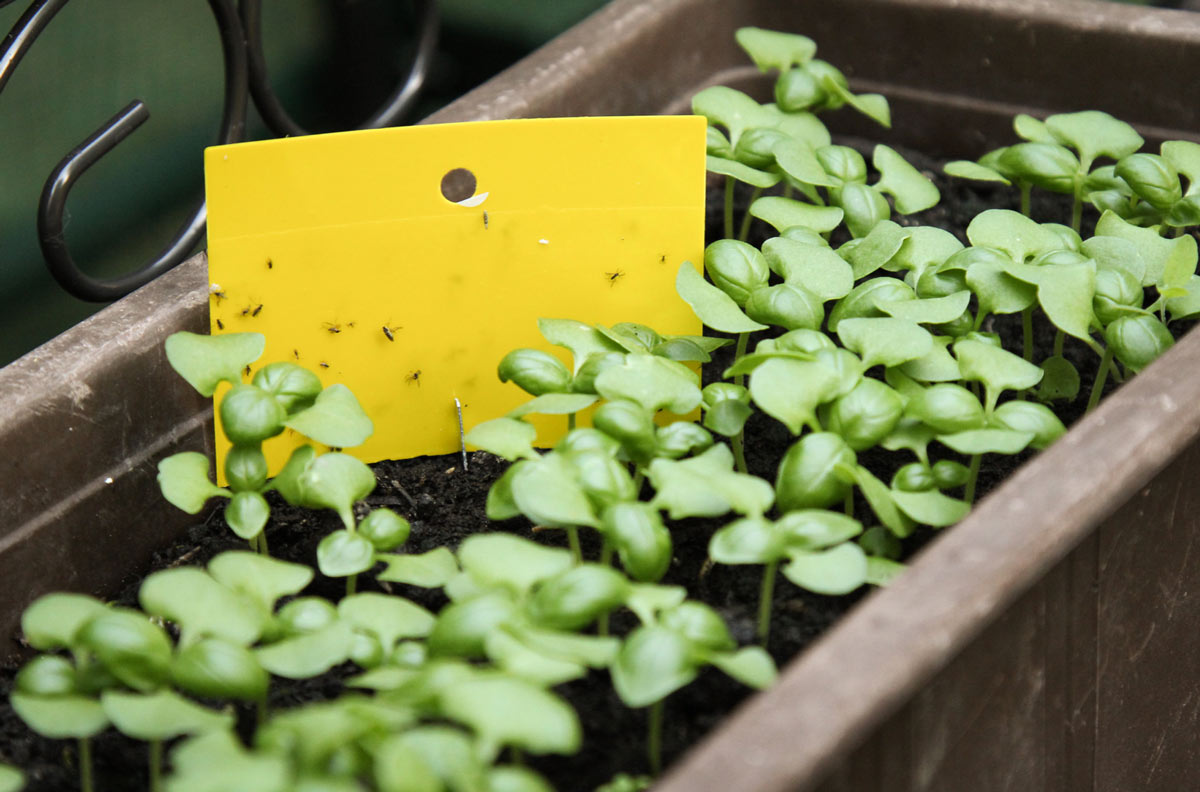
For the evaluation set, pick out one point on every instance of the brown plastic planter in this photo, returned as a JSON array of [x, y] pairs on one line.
[[1049, 642]]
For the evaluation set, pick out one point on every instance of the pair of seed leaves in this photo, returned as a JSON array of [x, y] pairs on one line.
[[1059, 154], [522, 605], [767, 145], [815, 543], [423, 758], [218, 617], [282, 395]]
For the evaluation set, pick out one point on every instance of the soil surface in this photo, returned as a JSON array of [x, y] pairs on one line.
[[444, 503]]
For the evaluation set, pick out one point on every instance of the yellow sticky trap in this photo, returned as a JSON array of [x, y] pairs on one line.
[[344, 252]]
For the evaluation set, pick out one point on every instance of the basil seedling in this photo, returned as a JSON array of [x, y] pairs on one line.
[[281, 395]]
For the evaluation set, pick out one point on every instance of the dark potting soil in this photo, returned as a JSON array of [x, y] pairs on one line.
[[444, 502]]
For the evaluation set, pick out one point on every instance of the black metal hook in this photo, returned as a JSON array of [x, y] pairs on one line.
[[399, 103], [52, 206]]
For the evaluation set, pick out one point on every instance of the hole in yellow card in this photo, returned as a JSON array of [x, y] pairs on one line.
[[405, 263]]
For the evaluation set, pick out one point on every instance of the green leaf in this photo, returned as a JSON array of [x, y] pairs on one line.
[[336, 419], [262, 578], [583, 340], [865, 208], [1180, 265], [1137, 341], [506, 711], [931, 507], [342, 553], [810, 474], [1184, 156], [965, 169], [751, 666], [129, 646], [52, 621], [400, 767], [1064, 291], [547, 492], [516, 779], [294, 387], [310, 654], [648, 599], [11, 779], [205, 360], [509, 653], [863, 300], [1187, 305], [741, 172], [729, 108], [201, 606], [996, 368], [997, 291], [799, 161], [1011, 232], [428, 570], [216, 762], [936, 365], [877, 248], [882, 571], [577, 597], [715, 308], [449, 752], [816, 529], [215, 668], [933, 310], [591, 650], [653, 663], [751, 540], [1046, 165], [1115, 253], [884, 340], [463, 626], [707, 486], [642, 542], [336, 481], [817, 269], [879, 495], [654, 382], [183, 479], [247, 514], [727, 417], [506, 560], [773, 50], [784, 213], [1060, 380], [161, 715], [1094, 134], [1154, 249], [987, 441], [790, 390], [509, 438], [389, 617], [838, 570], [550, 404], [910, 189], [60, 717]]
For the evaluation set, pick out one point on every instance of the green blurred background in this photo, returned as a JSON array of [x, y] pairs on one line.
[[332, 62]]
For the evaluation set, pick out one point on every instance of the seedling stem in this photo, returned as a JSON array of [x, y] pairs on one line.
[[766, 597], [654, 737], [969, 487], [1101, 376]]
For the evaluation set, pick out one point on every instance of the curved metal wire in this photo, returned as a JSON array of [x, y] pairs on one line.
[[245, 73], [394, 109], [52, 206]]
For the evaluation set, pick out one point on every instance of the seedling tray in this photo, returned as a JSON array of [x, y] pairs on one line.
[[1049, 641]]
